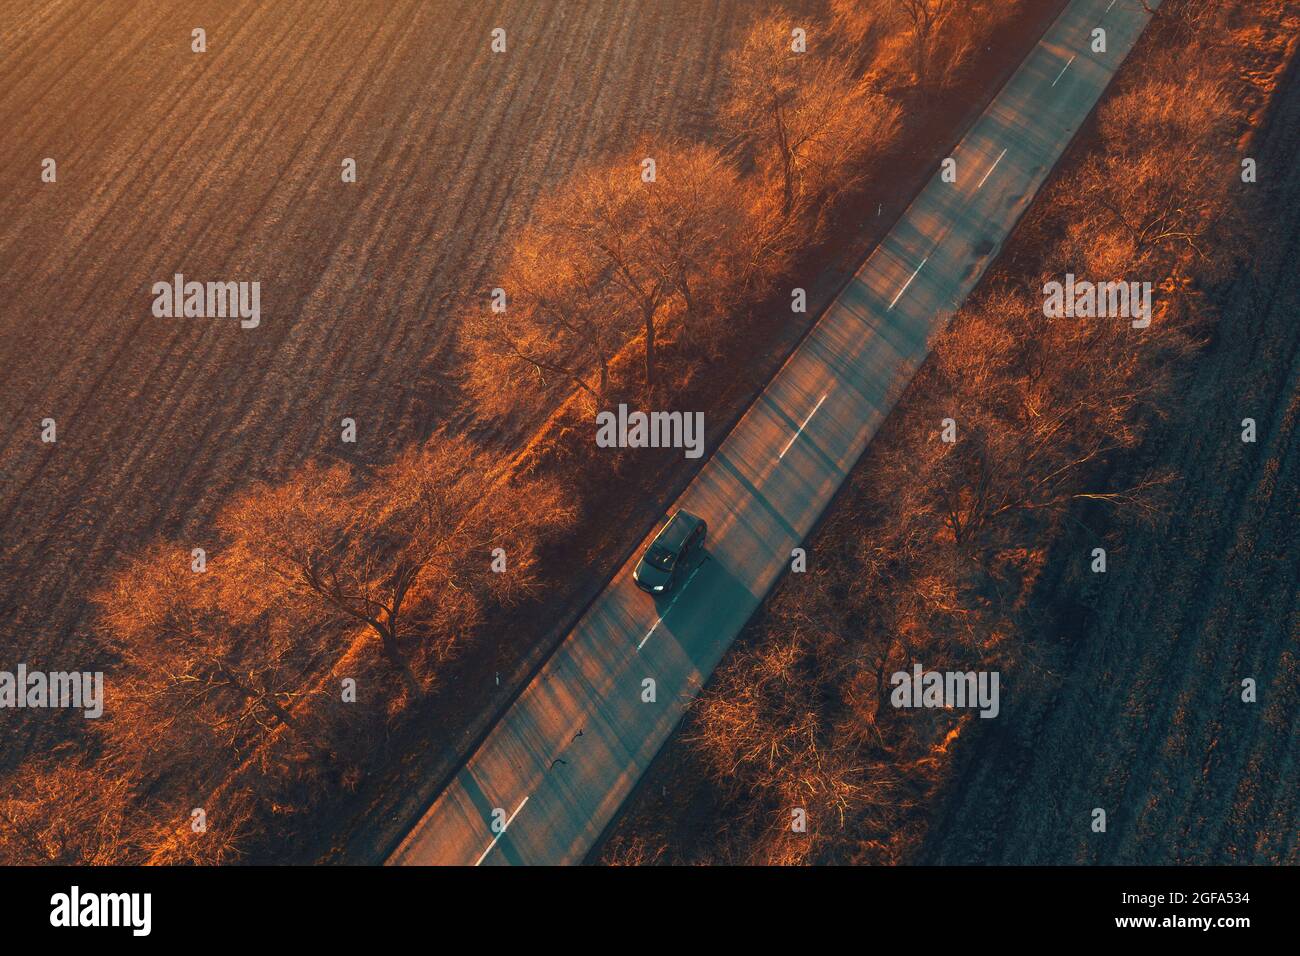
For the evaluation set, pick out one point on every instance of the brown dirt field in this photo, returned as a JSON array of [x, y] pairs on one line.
[[226, 166], [1143, 714]]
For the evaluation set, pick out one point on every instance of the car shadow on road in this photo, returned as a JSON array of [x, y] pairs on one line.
[[709, 607]]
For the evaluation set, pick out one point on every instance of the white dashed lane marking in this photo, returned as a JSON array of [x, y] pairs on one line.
[[991, 168], [483, 856], [908, 282], [654, 627], [1063, 69], [803, 426]]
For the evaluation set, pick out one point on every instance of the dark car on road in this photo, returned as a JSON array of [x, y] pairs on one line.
[[680, 539]]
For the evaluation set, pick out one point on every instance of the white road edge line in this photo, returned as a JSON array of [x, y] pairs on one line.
[[809, 418], [991, 168], [502, 833], [660, 619], [1063, 69], [1112, 3], [909, 282]]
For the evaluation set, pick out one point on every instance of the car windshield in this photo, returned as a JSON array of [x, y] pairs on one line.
[[661, 558]]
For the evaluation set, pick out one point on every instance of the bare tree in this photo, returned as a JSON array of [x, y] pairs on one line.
[[559, 323], [1149, 207], [861, 28], [240, 819], [324, 538], [61, 811], [1183, 18], [810, 123], [699, 236], [192, 666], [606, 257], [411, 545], [925, 20]]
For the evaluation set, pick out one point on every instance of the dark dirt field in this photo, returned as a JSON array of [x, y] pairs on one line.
[[1143, 715], [226, 166]]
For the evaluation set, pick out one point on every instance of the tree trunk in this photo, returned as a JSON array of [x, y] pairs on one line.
[[649, 350], [255, 696], [286, 718], [388, 641], [684, 282], [787, 165]]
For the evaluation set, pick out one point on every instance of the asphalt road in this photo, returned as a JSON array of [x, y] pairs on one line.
[[539, 792]]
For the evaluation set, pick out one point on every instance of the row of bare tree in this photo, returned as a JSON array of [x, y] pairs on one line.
[[221, 658], [940, 570], [675, 236]]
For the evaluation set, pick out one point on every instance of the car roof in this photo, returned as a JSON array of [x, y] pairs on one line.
[[676, 531]]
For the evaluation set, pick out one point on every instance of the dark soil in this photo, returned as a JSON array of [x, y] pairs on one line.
[[1144, 715]]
